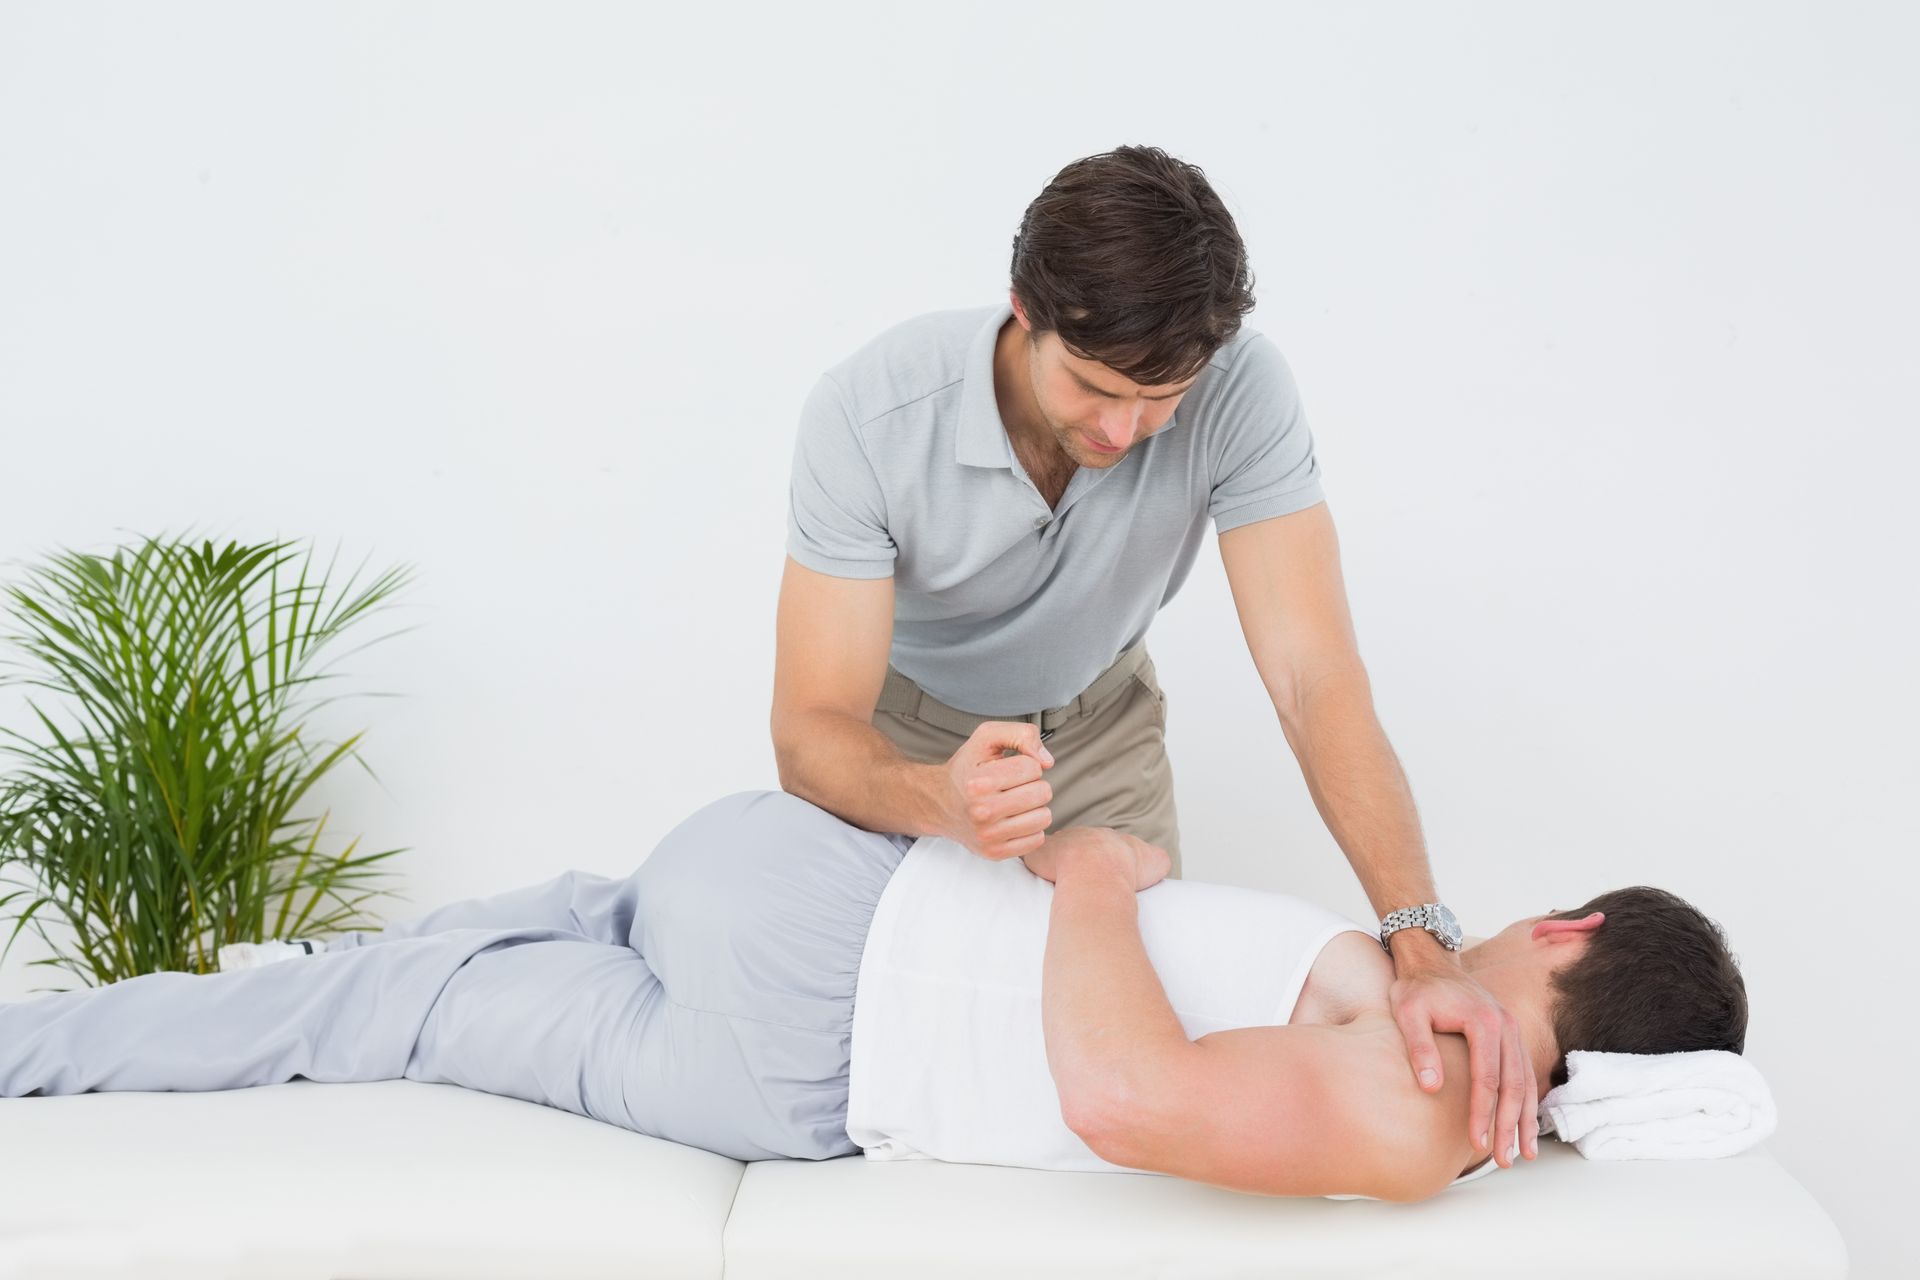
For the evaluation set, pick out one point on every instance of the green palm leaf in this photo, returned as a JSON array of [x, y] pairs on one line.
[[162, 821]]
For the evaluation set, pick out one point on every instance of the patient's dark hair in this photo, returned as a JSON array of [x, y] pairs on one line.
[[1656, 977], [1134, 261]]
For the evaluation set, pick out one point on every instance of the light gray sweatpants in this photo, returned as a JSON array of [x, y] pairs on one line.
[[706, 998]]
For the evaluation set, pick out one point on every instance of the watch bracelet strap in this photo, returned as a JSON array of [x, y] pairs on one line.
[[1415, 917]]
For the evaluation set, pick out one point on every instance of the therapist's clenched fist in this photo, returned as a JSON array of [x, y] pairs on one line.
[[997, 804]]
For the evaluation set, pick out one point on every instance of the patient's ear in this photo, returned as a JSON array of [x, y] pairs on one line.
[[1555, 930]]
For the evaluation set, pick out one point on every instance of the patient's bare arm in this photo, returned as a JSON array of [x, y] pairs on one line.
[[1274, 1110], [1104, 1012]]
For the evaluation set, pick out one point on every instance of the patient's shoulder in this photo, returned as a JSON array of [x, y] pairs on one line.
[[1426, 1132]]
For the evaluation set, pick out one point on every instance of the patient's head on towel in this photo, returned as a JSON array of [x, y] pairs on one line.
[[1634, 970]]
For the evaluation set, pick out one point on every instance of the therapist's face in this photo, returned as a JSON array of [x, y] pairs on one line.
[[1095, 415]]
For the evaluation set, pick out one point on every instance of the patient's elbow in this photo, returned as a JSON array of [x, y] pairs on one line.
[[1080, 1118], [1108, 1131], [1111, 1145], [1090, 1120]]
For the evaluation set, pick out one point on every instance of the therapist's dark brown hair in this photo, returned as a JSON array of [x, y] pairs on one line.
[[1656, 977], [1133, 260]]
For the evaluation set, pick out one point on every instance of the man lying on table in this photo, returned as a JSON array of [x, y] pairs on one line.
[[1072, 1009]]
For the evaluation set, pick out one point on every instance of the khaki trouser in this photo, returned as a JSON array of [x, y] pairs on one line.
[[1109, 745]]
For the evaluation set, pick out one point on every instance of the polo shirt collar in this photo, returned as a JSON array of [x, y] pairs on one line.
[[982, 438]]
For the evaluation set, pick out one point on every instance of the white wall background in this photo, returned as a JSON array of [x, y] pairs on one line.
[[1603, 318]]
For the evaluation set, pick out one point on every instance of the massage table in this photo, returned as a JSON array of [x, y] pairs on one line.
[[400, 1180]]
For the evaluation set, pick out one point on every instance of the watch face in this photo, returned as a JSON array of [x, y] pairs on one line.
[[1444, 918]]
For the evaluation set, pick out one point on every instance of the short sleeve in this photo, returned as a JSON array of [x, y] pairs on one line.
[[1261, 450], [836, 513]]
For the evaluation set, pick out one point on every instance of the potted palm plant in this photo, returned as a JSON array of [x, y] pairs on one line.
[[169, 815]]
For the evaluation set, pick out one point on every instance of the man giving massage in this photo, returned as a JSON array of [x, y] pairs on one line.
[[1073, 1009]]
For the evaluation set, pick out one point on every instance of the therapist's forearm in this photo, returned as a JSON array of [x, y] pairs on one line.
[[1363, 797], [852, 770]]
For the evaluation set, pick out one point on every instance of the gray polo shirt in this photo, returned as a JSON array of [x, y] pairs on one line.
[[1003, 606]]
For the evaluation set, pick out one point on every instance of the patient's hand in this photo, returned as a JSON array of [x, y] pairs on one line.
[[1149, 863]]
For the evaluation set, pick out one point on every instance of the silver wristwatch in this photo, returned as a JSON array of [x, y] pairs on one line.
[[1431, 916]]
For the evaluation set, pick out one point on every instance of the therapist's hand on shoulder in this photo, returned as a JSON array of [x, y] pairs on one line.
[[997, 804], [1438, 995], [1148, 864]]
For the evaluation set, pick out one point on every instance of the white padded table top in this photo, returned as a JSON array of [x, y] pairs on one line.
[[390, 1181], [409, 1181], [853, 1219]]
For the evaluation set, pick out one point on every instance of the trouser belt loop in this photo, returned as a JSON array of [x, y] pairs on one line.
[[898, 694], [902, 696], [1112, 680]]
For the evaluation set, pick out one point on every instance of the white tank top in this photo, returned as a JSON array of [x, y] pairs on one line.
[[949, 1055]]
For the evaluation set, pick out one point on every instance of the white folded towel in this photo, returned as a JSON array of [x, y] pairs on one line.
[[1659, 1106]]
